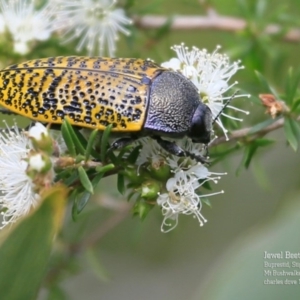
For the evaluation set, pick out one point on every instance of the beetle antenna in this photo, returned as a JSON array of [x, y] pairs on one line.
[[225, 105]]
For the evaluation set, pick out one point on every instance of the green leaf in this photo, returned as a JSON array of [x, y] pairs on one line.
[[25, 253], [121, 183], [85, 181], [90, 144], [68, 138], [292, 133], [292, 83], [104, 169], [265, 85], [262, 125], [122, 152], [76, 140], [206, 201], [263, 142], [141, 209], [81, 201], [104, 141], [71, 178], [252, 148], [296, 105], [133, 156]]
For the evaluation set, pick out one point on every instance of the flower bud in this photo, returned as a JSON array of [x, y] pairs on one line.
[[40, 138], [160, 172], [133, 176], [38, 163], [150, 190]]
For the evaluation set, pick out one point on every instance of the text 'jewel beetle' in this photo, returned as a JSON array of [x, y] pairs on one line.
[[138, 97]]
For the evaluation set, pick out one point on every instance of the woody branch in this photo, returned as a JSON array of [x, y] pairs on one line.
[[246, 133], [211, 21]]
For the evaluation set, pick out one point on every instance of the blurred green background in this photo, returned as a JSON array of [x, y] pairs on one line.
[[258, 212]]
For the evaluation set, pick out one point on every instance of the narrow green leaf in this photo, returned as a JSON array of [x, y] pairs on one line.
[[71, 179], [250, 151], [81, 201], [78, 144], [265, 85], [133, 193], [262, 125], [24, 254], [296, 105], [68, 138], [90, 144], [141, 209], [97, 179], [85, 181], [104, 141], [133, 156], [206, 201], [206, 185], [291, 135], [263, 142], [104, 169], [292, 83], [121, 183], [122, 152], [111, 157]]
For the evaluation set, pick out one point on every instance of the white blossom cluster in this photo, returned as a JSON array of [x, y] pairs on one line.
[[95, 23], [17, 189], [182, 191]]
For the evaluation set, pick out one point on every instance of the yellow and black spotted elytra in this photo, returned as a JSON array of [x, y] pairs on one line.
[[138, 97]]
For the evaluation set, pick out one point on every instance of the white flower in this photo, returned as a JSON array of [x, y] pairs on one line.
[[211, 74], [181, 198], [95, 23], [151, 152], [17, 194], [25, 23], [179, 163]]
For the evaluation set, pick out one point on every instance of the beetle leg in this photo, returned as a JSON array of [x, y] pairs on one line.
[[170, 146], [174, 149], [7, 112], [122, 142]]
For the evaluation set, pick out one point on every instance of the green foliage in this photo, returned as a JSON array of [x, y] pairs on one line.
[[25, 253]]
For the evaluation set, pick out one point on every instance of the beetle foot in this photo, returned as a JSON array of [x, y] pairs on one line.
[[200, 158], [170, 146]]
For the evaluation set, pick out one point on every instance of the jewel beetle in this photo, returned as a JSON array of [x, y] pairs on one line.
[[138, 97]]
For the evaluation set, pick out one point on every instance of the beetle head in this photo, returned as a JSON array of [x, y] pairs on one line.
[[201, 125]]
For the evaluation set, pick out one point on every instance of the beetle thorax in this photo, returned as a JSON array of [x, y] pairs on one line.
[[173, 99]]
